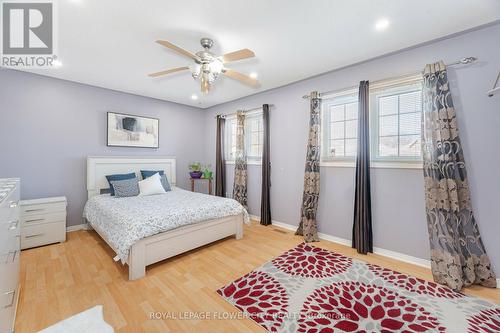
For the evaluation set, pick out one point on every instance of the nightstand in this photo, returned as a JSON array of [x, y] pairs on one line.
[[209, 184], [43, 221]]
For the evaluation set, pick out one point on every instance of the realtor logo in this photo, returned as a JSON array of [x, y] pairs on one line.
[[27, 34]]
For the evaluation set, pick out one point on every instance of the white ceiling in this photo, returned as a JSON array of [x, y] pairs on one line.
[[111, 43]]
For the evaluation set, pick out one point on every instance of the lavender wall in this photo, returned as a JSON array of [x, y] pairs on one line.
[[397, 194], [48, 127]]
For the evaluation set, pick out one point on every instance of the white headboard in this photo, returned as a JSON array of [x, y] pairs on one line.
[[99, 167]]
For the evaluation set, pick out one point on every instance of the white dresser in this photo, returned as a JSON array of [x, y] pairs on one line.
[[9, 252], [43, 221]]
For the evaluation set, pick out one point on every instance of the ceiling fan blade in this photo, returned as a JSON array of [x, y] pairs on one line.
[[237, 55], [168, 71], [241, 77], [178, 49], [205, 86]]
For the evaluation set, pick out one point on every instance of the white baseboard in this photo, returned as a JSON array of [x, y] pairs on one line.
[[377, 250], [83, 226], [347, 242]]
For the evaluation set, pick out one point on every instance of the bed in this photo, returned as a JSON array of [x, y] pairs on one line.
[[145, 230]]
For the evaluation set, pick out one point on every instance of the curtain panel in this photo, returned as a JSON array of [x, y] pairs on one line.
[[458, 256], [307, 226], [362, 239], [240, 166], [265, 204], [220, 162]]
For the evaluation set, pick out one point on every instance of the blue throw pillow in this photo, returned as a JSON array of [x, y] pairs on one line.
[[126, 188], [112, 178], [165, 183], [146, 173]]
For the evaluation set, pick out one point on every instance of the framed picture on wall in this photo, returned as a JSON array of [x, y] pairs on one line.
[[125, 130]]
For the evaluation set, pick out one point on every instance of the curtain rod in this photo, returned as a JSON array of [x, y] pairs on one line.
[[244, 110], [463, 61]]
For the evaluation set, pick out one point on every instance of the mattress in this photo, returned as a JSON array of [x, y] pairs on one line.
[[124, 221]]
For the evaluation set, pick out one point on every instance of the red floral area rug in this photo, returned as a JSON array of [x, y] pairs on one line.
[[312, 290]]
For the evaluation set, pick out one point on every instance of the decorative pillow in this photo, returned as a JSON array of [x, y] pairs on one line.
[[147, 173], [124, 176], [151, 185], [126, 187], [165, 183]]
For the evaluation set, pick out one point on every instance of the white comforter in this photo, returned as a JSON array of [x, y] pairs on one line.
[[124, 221]]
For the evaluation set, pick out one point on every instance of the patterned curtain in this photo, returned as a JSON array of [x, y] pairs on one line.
[[240, 167], [307, 226], [458, 256]]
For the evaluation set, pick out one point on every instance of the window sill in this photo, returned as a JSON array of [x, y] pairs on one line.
[[248, 162], [373, 164]]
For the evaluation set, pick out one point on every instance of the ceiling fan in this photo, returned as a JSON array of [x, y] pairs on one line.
[[207, 66]]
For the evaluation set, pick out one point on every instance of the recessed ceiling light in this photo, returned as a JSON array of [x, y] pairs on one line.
[[194, 97], [253, 75], [382, 24], [56, 63]]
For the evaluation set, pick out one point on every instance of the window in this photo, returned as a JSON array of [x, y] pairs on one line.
[[254, 137], [395, 123], [397, 115], [230, 138], [340, 118]]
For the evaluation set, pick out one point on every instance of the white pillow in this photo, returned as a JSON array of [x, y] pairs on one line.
[[151, 185]]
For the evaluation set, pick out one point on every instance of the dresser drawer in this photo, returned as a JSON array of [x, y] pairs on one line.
[[44, 208], [9, 271], [42, 218], [9, 293], [9, 237], [41, 234], [8, 305], [9, 210]]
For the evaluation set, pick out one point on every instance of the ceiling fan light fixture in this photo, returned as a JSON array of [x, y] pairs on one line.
[[211, 77], [195, 70], [207, 67], [216, 66]]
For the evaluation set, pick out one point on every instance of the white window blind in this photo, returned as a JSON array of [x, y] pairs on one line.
[[230, 135], [398, 115], [254, 136]]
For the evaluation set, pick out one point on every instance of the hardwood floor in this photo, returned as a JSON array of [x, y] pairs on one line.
[[63, 279]]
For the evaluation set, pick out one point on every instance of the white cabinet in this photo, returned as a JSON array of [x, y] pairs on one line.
[[43, 221], [9, 252]]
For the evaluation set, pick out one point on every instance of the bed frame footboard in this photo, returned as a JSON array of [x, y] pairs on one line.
[[171, 243]]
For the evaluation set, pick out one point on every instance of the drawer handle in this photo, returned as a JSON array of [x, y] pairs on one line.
[[35, 235], [7, 255], [13, 225], [13, 293], [13, 204], [35, 210], [34, 220], [16, 253]]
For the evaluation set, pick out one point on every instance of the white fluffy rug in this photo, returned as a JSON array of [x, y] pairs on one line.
[[88, 321]]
